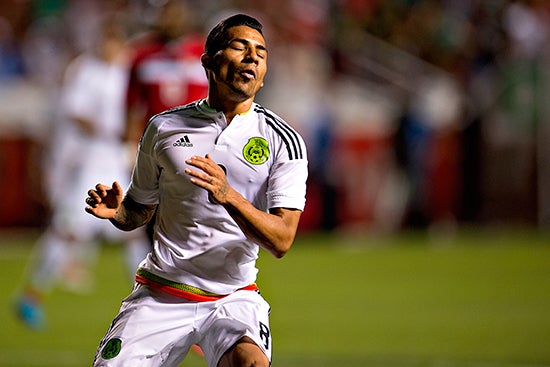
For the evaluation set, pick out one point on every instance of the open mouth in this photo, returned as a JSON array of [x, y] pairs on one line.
[[247, 74]]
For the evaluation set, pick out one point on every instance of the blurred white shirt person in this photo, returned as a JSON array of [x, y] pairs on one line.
[[86, 142]]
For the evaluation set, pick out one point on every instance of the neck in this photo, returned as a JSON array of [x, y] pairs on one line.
[[230, 108]]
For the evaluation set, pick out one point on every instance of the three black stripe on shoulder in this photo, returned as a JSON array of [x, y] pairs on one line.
[[287, 133], [181, 108]]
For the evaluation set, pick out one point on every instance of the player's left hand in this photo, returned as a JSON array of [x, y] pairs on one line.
[[210, 177]]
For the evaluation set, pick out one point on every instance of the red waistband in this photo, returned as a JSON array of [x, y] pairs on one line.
[[182, 290]]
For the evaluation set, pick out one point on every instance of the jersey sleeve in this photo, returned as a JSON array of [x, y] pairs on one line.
[[287, 182], [145, 175]]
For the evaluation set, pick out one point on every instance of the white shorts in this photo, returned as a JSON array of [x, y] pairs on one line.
[[156, 329]]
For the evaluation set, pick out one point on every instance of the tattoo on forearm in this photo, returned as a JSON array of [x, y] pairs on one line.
[[132, 215]]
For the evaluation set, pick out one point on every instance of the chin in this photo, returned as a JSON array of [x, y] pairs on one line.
[[245, 93]]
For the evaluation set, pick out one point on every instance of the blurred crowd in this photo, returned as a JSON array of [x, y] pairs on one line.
[[417, 113]]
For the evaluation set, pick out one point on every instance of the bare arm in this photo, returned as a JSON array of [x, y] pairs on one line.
[[135, 121], [274, 231], [109, 203]]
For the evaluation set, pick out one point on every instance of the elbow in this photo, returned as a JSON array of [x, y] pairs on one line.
[[281, 249], [121, 226], [279, 254]]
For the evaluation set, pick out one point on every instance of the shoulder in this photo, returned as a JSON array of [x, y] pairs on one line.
[[144, 44], [189, 110], [177, 115], [273, 120], [284, 131], [77, 64]]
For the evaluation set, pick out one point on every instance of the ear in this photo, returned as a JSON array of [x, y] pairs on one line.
[[206, 61]]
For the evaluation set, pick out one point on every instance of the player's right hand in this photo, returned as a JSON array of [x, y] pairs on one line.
[[104, 201]]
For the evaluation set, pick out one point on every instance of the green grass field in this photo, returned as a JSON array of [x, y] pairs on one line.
[[481, 299]]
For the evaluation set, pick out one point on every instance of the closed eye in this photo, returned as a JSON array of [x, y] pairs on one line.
[[243, 45], [237, 45]]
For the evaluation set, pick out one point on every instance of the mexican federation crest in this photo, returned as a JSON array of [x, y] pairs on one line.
[[256, 151]]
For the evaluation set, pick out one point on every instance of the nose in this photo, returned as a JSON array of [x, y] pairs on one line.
[[251, 55]]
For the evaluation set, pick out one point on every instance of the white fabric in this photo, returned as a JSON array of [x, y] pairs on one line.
[[156, 329], [93, 91], [196, 241]]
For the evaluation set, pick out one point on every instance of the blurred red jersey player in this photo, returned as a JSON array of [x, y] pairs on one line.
[[166, 69]]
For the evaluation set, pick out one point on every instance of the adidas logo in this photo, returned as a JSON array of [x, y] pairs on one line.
[[183, 142]]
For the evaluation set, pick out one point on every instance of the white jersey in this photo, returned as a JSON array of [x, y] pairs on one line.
[[94, 90], [196, 241]]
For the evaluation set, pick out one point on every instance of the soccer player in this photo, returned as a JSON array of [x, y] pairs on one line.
[[228, 176], [87, 137], [165, 68]]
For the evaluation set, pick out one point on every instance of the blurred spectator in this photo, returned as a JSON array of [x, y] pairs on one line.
[[87, 140], [405, 63], [512, 167]]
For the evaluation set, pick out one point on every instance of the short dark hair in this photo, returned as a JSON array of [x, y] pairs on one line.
[[217, 38]]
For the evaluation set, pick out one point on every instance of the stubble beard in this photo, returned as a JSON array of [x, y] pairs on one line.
[[243, 90]]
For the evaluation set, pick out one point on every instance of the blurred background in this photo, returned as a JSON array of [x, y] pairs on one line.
[[417, 113]]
